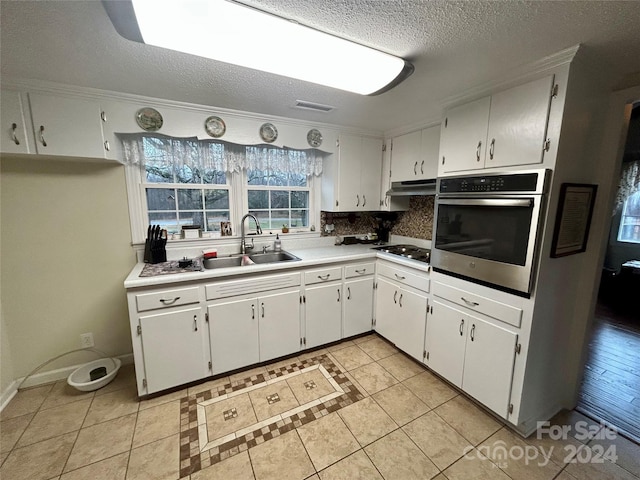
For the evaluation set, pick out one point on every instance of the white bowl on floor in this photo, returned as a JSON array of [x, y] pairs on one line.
[[80, 378]]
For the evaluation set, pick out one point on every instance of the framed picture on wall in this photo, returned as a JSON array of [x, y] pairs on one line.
[[225, 229], [573, 219]]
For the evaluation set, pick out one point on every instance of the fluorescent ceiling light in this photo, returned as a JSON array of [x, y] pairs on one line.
[[233, 33]]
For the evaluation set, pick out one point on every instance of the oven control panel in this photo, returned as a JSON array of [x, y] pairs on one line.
[[513, 182]]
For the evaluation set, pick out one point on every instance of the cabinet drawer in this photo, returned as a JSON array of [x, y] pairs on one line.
[[322, 275], [359, 270], [477, 303], [404, 276], [167, 298], [246, 286]]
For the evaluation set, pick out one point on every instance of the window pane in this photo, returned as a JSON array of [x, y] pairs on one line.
[[191, 218], [629, 230], [279, 199], [161, 199], [188, 174], [297, 180], [214, 219], [279, 218], [216, 199], [299, 199], [263, 218], [258, 199], [299, 218], [189, 199], [158, 173], [167, 220], [279, 179], [257, 177], [214, 177]]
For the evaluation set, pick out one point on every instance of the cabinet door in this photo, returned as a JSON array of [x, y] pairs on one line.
[[175, 348], [488, 364], [518, 124], [349, 198], [405, 157], [233, 334], [409, 332], [70, 127], [370, 173], [14, 132], [463, 136], [386, 311], [279, 324], [429, 148], [323, 314], [445, 342], [358, 306]]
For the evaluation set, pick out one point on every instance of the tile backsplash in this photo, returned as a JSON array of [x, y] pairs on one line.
[[416, 222]]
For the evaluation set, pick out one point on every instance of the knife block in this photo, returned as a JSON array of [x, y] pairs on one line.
[[155, 251]]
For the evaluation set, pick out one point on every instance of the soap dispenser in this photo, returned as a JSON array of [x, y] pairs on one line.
[[277, 244]]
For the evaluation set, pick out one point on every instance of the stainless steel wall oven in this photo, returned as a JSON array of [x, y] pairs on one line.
[[487, 227]]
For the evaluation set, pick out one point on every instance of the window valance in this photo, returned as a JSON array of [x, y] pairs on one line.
[[194, 153]]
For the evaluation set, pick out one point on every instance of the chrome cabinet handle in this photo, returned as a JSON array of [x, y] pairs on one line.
[[394, 297], [338, 295], [469, 302], [253, 312], [473, 331], [358, 202], [262, 306], [491, 148], [13, 134], [422, 167], [103, 116], [361, 272], [478, 150], [348, 293], [386, 201], [169, 302], [364, 199], [400, 301], [195, 323], [42, 140], [415, 166], [324, 277], [107, 147], [399, 277], [461, 326]]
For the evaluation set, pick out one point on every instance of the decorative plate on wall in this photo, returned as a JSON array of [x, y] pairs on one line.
[[149, 119], [314, 138], [215, 127], [268, 132]]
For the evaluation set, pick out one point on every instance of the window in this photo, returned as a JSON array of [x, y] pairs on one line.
[[629, 230]]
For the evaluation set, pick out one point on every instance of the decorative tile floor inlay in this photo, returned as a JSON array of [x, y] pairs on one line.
[[203, 439]]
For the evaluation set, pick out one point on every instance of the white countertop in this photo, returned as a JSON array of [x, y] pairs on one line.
[[309, 257]]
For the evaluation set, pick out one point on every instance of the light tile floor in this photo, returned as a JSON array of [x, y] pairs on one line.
[[393, 420]]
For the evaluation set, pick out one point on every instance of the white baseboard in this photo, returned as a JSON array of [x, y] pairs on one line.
[[47, 377]]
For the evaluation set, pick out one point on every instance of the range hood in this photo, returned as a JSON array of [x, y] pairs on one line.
[[413, 187]]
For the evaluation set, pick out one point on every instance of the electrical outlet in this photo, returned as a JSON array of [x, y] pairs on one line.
[[86, 340]]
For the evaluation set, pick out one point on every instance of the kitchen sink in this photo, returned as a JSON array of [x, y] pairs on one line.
[[259, 258], [273, 257]]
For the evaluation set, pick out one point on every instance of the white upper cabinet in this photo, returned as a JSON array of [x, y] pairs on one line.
[[414, 156], [506, 129], [67, 126], [351, 182], [16, 135]]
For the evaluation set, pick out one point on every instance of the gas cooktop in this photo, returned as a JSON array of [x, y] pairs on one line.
[[407, 251]]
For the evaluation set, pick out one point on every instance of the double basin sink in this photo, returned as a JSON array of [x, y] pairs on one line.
[[256, 258]]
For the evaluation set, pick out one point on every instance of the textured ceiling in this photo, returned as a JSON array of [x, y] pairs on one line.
[[453, 45]]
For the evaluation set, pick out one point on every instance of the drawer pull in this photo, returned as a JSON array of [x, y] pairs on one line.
[[262, 305], [400, 277], [338, 295], [461, 326], [195, 323], [348, 293], [361, 272], [395, 294], [469, 302], [473, 332], [169, 302], [324, 277], [400, 300]]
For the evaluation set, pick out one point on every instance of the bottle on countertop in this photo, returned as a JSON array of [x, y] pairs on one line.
[[277, 244]]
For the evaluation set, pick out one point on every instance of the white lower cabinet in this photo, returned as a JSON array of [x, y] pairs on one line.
[[357, 306], [279, 323], [473, 354], [323, 314], [233, 334], [175, 348], [401, 314]]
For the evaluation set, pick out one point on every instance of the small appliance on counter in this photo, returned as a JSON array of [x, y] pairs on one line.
[[154, 245]]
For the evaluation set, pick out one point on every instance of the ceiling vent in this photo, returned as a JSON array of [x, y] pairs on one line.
[[318, 107]]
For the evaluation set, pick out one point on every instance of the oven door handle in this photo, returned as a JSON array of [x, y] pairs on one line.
[[488, 202]]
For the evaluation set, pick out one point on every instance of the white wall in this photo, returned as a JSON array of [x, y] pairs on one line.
[[66, 249]]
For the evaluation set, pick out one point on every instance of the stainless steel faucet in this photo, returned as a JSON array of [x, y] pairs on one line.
[[243, 246]]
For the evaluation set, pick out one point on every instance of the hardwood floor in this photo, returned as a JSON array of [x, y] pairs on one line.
[[611, 384]]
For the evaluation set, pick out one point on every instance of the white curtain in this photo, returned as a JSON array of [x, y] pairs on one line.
[[629, 183], [216, 155]]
